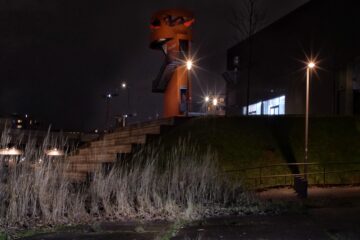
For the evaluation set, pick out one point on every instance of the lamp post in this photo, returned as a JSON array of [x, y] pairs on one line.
[[126, 87], [310, 66], [108, 98], [189, 65]]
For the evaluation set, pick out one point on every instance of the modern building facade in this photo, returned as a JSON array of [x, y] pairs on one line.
[[275, 64]]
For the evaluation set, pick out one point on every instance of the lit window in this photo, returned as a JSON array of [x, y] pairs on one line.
[[275, 106], [255, 109]]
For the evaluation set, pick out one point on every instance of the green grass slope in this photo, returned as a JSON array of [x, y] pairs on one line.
[[256, 141]]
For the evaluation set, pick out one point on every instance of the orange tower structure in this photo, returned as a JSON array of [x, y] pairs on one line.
[[171, 33]]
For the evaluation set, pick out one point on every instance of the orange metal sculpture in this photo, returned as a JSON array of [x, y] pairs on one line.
[[171, 33]]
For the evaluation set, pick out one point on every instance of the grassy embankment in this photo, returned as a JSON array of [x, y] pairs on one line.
[[257, 141]]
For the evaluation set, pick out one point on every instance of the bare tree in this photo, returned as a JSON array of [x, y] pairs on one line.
[[247, 18]]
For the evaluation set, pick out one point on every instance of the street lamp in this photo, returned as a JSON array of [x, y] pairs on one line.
[[215, 102], [311, 65], [189, 65], [125, 86], [207, 99], [108, 97]]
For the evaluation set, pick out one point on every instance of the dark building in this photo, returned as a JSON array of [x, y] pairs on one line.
[[18, 121], [326, 31]]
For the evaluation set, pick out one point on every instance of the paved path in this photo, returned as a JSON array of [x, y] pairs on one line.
[[330, 213]]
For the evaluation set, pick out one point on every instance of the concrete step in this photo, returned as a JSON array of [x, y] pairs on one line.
[[97, 153], [99, 158], [76, 176], [85, 167], [141, 139], [105, 150], [132, 132]]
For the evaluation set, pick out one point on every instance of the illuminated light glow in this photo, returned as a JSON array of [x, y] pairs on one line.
[[123, 85], [215, 101], [311, 65], [207, 99], [109, 95], [11, 152], [189, 64], [54, 152]]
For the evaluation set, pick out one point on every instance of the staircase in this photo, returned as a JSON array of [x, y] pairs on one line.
[[123, 141]]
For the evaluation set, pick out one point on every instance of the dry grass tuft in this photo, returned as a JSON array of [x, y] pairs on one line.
[[178, 184]]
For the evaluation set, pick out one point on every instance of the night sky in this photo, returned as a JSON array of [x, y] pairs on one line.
[[58, 57]]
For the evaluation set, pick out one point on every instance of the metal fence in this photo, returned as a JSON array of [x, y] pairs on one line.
[[280, 174]]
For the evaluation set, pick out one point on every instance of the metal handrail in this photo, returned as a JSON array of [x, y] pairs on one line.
[[259, 179], [290, 164], [301, 174]]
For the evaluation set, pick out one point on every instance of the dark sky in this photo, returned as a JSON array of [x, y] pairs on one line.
[[58, 57]]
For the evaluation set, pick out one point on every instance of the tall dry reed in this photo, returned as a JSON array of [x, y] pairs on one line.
[[177, 183]]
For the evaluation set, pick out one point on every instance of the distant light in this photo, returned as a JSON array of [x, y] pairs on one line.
[[311, 65], [109, 95], [189, 64], [26, 116], [10, 152], [96, 131], [215, 101], [54, 152], [207, 99], [123, 85]]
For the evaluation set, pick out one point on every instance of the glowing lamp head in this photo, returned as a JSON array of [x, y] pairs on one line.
[[189, 65], [123, 85], [207, 99], [11, 152], [215, 101], [311, 65], [54, 152]]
